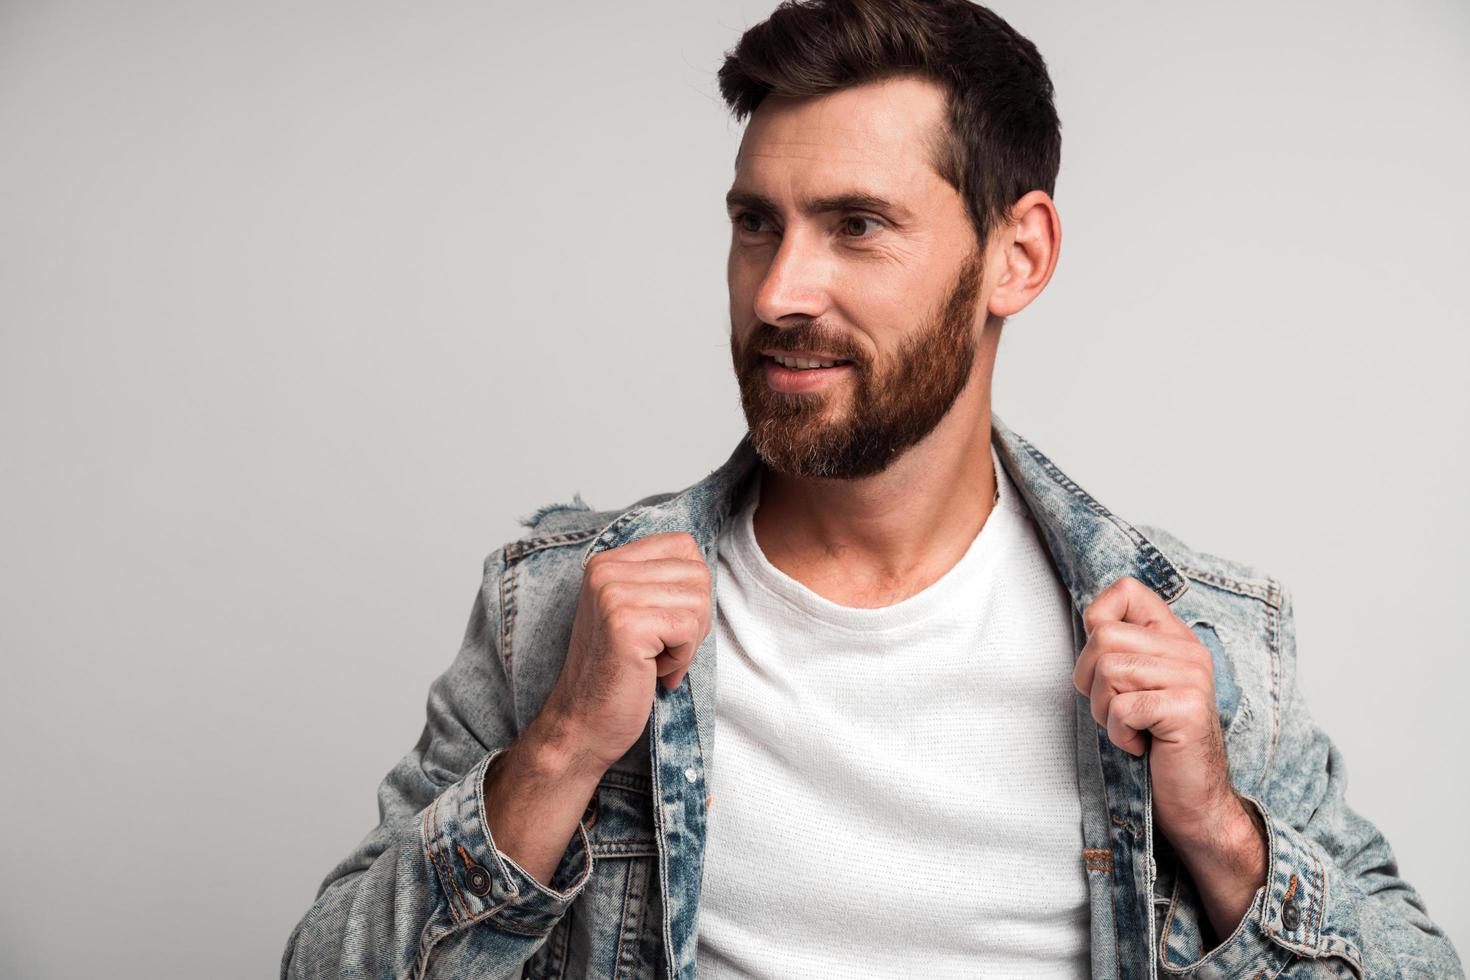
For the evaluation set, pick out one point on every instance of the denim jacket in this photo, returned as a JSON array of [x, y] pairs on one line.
[[427, 895]]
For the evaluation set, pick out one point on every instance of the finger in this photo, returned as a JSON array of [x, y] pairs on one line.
[[1116, 636], [654, 595], [665, 544], [681, 633], [1130, 716], [1129, 600], [1123, 673], [1174, 715], [673, 680], [649, 570]]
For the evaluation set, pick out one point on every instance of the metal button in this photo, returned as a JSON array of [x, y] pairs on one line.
[[690, 774], [477, 880], [1291, 915]]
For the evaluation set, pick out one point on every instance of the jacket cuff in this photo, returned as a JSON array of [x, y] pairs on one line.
[[477, 881], [1288, 916]]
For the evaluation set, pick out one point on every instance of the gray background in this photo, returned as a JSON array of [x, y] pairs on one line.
[[304, 304]]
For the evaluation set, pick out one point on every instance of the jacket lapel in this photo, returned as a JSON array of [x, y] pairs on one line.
[[1090, 548], [681, 736]]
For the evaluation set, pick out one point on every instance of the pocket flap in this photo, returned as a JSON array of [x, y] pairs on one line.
[[621, 816]]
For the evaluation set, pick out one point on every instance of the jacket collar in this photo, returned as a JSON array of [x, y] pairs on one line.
[[1089, 544]]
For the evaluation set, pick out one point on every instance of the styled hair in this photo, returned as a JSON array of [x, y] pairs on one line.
[[1002, 139]]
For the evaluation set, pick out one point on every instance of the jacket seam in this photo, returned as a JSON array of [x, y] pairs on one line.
[[1156, 561], [505, 586], [516, 550], [1268, 591], [1273, 646]]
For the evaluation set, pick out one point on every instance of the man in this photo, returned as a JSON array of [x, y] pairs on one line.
[[886, 694]]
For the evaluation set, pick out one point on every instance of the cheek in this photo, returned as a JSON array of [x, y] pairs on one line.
[[747, 265]]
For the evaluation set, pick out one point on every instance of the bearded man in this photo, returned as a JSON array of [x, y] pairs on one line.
[[887, 694]]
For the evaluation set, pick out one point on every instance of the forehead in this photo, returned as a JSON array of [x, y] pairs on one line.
[[879, 133]]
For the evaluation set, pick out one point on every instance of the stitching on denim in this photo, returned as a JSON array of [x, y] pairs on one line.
[[1127, 825], [517, 550], [1273, 645], [1159, 567], [626, 925], [624, 848], [610, 532], [1268, 591], [447, 876], [505, 584], [1312, 923], [1168, 921], [558, 944], [632, 781], [1319, 902]]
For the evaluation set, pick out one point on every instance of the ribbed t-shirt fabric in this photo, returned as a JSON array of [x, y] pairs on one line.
[[894, 790]]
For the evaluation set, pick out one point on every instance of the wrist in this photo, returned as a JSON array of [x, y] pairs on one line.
[[552, 748], [1228, 866]]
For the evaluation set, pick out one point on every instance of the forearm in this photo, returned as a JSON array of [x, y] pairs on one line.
[[1227, 867], [536, 793]]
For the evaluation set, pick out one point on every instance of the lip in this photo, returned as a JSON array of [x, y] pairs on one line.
[[807, 354], [795, 381]]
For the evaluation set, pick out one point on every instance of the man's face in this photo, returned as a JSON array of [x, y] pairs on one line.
[[848, 246]]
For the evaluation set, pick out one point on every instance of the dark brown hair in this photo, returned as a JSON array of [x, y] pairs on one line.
[[1003, 137]]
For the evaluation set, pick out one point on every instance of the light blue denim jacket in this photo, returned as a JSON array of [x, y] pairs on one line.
[[427, 894]]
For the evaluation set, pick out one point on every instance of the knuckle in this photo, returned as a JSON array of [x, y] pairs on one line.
[[1143, 703], [611, 595], [1198, 701], [622, 621], [599, 574], [1206, 678]]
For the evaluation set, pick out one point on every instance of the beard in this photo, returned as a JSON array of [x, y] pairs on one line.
[[893, 405]]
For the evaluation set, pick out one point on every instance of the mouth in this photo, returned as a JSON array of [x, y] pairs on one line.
[[799, 374], [804, 362]]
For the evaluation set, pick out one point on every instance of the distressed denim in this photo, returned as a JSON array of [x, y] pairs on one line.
[[427, 894]]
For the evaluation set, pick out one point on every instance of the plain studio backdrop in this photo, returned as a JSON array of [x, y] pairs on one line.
[[303, 305]]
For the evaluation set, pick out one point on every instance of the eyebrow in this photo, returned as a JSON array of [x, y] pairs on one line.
[[852, 201]]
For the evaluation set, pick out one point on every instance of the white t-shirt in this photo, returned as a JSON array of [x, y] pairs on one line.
[[894, 790]]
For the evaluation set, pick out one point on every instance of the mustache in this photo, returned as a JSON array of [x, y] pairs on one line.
[[803, 336]]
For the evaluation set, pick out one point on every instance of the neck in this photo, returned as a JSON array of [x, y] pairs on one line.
[[876, 540]]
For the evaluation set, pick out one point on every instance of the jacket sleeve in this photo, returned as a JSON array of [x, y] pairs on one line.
[[427, 894], [1333, 904]]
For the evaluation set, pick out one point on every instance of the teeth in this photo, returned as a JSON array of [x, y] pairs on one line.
[[802, 363]]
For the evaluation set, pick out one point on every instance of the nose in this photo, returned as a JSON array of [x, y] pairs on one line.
[[795, 283]]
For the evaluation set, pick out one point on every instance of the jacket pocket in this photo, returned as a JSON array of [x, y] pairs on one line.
[[613, 928]]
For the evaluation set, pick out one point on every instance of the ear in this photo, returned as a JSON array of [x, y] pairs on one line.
[[1026, 253]]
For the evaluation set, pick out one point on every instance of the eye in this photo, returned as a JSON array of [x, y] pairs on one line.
[[748, 222], [856, 224]]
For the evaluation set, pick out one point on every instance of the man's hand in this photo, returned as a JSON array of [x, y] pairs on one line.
[[1147, 672], [643, 611]]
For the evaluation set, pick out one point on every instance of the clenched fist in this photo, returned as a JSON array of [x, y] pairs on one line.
[[1146, 671], [644, 609]]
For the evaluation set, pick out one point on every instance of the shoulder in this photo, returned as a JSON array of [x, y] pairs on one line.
[[1224, 576], [556, 528]]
